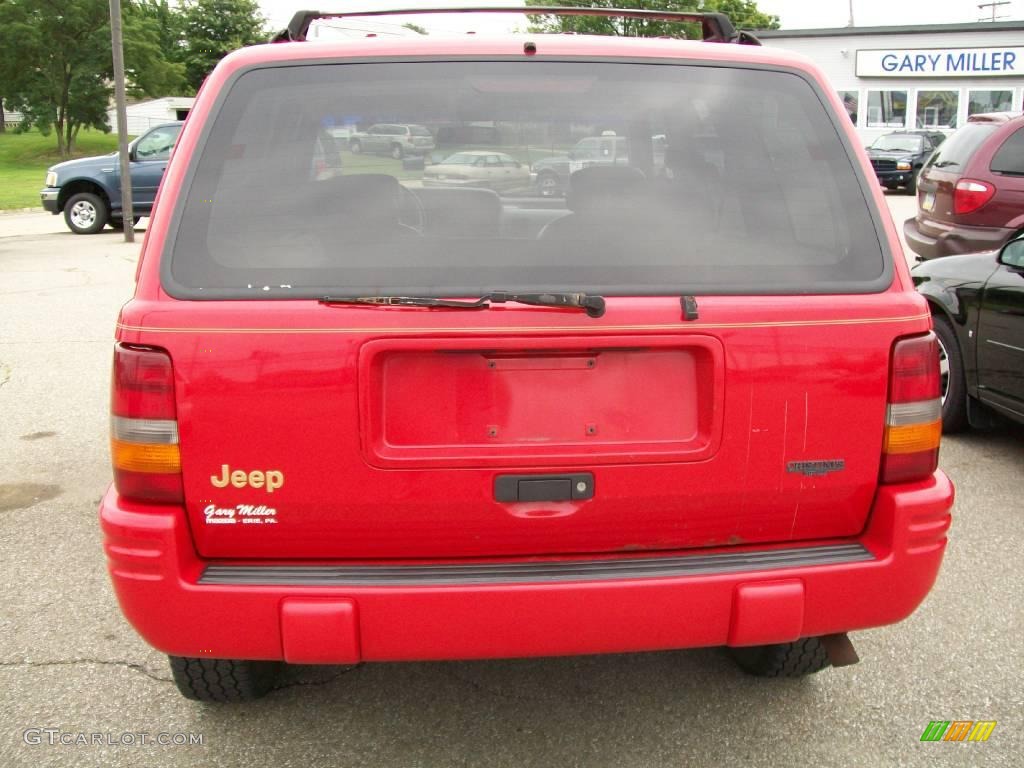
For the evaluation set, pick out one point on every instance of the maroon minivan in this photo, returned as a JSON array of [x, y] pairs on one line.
[[970, 194]]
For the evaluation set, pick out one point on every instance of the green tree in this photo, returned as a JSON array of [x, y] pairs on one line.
[[57, 66], [744, 15], [212, 29]]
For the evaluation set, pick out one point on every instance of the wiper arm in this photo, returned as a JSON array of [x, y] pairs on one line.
[[593, 305]]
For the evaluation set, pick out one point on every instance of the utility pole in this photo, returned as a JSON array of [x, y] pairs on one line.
[[127, 213], [850, 22]]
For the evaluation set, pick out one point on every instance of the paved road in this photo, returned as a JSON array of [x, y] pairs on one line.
[[68, 660]]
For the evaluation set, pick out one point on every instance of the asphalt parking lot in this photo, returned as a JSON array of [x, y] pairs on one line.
[[68, 661]]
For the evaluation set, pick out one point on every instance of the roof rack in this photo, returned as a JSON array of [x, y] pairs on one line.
[[716, 27]]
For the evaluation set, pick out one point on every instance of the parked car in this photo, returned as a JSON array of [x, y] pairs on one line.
[[490, 170], [394, 140], [356, 419], [88, 190], [971, 192], [898, 157], [936, 137], [551, 174], [977, 301]]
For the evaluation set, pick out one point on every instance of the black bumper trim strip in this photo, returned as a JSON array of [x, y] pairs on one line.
[[532, 572]]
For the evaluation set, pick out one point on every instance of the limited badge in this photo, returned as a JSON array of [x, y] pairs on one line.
[[816, 468]]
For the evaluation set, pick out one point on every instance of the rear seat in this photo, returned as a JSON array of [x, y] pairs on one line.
[[457, 213]]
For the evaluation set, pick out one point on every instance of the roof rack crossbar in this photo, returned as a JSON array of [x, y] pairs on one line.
[[716, 27]]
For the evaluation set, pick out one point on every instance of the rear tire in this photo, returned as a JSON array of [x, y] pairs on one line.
[[85, 213], [223, 680], [954, 386], [797, 659], [118, 224]]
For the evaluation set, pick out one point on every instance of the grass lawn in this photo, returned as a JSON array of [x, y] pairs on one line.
[[24, 158]]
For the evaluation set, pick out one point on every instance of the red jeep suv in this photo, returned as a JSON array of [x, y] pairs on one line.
[[694, 402]]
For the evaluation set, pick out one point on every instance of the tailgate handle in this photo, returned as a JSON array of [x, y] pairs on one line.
[[577, 486]]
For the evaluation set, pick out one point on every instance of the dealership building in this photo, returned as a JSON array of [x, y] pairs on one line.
[[929, 76]]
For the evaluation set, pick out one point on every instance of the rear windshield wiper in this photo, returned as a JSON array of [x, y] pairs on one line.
[[592, 305]]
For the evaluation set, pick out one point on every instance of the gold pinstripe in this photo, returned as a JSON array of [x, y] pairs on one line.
[[690, 326]]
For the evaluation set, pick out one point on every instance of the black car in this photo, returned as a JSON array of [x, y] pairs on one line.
[[897, 157], [977, 301]]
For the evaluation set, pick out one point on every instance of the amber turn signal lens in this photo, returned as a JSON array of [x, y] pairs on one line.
[[156, 458], [912, 438]]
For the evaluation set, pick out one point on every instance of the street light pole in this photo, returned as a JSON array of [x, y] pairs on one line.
[[127, 214]]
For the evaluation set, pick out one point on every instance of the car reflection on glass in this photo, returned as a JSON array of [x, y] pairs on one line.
[[488, 170]]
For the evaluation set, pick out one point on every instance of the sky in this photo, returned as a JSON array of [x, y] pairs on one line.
[[794, 14]]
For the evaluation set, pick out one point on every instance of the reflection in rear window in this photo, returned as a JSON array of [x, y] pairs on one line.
[[955, 152], [695, 179]]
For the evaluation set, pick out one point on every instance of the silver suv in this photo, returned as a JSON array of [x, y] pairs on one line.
[[394, 140]]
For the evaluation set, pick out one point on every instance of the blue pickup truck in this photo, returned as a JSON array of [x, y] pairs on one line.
[[88, 191]]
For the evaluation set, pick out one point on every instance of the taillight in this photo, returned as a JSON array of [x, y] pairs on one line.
[[913, 419], [969, 195], [143, 426]]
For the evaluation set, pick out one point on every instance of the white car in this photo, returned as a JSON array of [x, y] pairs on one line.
[[479, 168], [394, 140]]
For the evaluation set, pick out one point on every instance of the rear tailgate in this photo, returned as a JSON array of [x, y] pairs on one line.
[[387, 442], [355, 432]]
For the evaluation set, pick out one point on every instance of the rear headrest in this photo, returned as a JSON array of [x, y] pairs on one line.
[[373, 196], [460, 212], [602, 187]]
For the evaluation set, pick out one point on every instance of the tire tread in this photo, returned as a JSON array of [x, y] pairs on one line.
[[223, 680], [799, 658]]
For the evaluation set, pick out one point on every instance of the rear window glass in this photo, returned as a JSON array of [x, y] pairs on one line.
[[954, 153], [1009, 158], [657, 179]]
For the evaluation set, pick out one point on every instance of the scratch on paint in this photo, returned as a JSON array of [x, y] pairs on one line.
[[746, 464], [805, 422], [785, 434], [796, 511]]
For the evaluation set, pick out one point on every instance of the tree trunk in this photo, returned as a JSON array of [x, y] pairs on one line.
[[3, 124], [64, 116]]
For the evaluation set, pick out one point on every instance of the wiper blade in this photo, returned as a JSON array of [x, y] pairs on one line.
[[593, 305]]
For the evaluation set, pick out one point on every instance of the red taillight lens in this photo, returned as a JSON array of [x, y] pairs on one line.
[[970, 194], [913, 425], [143, 385], [914, 374], [143, 429]]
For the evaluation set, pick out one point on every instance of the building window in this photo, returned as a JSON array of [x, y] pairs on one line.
[[850, 100], [887, 109], [937, 109], [988, 101]]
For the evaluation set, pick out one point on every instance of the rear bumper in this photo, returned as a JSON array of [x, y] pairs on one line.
[[167, 593], [936, 239]]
